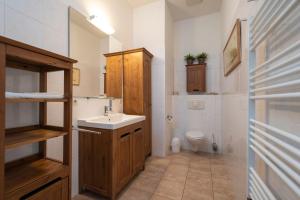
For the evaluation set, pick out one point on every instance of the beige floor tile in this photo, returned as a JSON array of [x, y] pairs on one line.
[[158, 197], [199, 173], [146, 183], [199, 183], [153, 170], [88, 196], [197, 192], [174, 177], [163, 162], [222, 196], [222, 186], [135, 194], [170, 189], [180, 161], [179, 156], [177, 169], [200, 166]]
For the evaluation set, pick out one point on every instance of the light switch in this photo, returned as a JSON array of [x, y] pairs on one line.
[[196, 105]]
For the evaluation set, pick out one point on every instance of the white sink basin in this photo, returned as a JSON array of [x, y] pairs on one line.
[[112, 121]]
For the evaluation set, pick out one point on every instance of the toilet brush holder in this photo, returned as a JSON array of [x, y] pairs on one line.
[[214, 145]]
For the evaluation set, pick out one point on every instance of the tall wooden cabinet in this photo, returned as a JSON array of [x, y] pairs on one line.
[[35, 177], [136, 84]]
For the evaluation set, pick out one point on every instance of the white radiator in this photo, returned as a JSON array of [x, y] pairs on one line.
[[274, 101]]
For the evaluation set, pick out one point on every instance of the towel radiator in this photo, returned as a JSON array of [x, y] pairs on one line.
[[274, 101]]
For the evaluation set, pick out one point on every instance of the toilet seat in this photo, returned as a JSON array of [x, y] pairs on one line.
[[195, 135]]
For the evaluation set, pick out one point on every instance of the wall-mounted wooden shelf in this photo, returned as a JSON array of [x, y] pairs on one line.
[[24, 177], [196, 78], [14, 140]]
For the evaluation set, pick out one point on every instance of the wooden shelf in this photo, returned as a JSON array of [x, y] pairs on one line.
[[27, 174], [13, 140], [24, 177], [29, 100]]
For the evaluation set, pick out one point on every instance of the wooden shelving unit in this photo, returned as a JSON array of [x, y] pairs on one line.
[[30, 100], [36, 176]]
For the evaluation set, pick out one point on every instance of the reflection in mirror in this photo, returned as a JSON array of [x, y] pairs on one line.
[[87, 44]]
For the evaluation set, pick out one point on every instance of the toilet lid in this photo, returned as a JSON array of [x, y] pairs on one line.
[[195, 134]]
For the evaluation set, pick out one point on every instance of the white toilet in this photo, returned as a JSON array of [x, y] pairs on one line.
[[195, 138]]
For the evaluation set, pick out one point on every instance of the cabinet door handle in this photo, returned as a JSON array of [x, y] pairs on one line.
[[195, 90], [138, 129], [124, 135]]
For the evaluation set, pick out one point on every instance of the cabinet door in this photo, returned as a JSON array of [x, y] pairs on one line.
[[138, 155], [57, 191], [133, 99], [123, 158], [114, 76], [196, 78], [94, 160], [147, 105]]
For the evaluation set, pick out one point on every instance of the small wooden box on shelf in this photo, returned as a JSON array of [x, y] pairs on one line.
[[196, 78], [35, 177]]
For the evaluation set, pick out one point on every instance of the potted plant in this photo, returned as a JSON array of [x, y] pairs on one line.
[[189, 58], [202, 57]]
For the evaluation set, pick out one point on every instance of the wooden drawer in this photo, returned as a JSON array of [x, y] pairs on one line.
[[57, 190]]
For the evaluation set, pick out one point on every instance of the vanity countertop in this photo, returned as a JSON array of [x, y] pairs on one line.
[[111, 121]]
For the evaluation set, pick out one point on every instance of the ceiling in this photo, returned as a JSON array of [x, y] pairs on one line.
[[137, 3], [183, 9]]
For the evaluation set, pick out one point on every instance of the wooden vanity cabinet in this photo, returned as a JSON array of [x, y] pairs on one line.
[[108, 161]]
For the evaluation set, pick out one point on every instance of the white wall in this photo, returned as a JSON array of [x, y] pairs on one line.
[[44, 24], [196, 35], [169, 81], [149, 32], [234, 98]]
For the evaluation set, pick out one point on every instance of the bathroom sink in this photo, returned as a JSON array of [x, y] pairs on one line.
[[111, 121]]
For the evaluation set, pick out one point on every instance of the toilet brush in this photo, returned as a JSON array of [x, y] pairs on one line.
[[214, 144]]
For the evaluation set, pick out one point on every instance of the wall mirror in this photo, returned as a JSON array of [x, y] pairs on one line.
[[87, 44]]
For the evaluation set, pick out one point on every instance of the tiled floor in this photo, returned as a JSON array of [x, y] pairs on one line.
[[183, 176]]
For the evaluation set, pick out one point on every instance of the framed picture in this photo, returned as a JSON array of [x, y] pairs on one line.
[[76, 76], [232, 50]]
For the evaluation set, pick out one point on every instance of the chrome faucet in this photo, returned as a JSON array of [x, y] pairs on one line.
[[108, 109]]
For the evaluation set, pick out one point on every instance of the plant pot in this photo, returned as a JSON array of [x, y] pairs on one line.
[[189, 61], [201, 60]]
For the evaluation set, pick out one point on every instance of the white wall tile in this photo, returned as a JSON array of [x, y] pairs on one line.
[[55, 15], [29, 8], [2, 18], [55, 41], [22, 28]]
